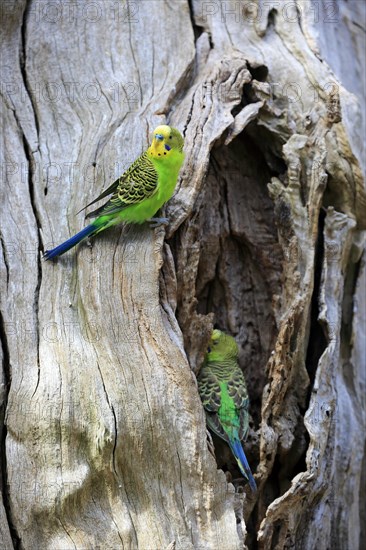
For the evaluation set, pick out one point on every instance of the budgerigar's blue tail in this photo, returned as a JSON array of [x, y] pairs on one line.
[[241, 459], [64, 247]]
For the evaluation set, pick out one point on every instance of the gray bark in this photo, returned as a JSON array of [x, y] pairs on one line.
[[103, 437]]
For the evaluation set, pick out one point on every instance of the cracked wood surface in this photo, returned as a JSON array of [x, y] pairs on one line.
[[104, 442]]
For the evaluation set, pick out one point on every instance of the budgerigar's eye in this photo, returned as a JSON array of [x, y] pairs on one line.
[[215, 343], [170, 137]]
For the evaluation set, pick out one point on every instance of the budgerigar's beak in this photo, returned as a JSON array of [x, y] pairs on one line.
[[157, 145]]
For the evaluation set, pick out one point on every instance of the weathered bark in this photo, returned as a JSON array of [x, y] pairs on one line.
[[104, 441]]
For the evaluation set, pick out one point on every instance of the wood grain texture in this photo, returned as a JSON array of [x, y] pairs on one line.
[[104, 442]]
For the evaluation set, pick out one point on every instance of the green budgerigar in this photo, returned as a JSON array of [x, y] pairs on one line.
[[224, 395], [139, 193]]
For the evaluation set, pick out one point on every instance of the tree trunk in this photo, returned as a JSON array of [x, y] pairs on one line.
[[103, 437]]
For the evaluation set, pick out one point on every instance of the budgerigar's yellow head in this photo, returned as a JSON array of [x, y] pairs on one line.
[[222, 346], [165, 142]]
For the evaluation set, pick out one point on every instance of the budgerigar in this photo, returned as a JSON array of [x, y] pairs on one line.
[[139, 193], [224, 396]]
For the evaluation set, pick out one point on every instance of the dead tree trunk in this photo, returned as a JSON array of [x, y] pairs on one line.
[[103, 439]]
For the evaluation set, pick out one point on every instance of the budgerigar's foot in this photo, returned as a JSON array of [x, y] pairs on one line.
[[155, 222]]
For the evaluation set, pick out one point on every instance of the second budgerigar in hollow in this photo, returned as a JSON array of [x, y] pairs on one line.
[[224, 396]]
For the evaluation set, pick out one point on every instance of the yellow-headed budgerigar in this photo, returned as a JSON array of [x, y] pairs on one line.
[[224, 395], [139, 193]]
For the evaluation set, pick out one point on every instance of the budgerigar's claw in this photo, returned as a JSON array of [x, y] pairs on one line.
[[155, 222]]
